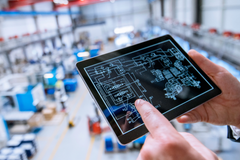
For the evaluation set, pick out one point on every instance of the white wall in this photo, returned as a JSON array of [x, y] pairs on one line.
[[11, 26], [120, 13], [156, 7], [3, 4], [221, 14], [168, 9], [1, 22], [181, 10], [19, 25]]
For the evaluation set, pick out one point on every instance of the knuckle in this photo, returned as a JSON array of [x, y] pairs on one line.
[[147, 114], [171, 146]]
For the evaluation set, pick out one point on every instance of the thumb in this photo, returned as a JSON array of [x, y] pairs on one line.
[[155, 122], [193, 116], [204, 63], [186, 118]]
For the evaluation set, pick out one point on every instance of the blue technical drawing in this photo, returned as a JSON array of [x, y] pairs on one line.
[[159, 76]]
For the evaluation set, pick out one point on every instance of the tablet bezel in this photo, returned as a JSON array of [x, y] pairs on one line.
[[141, 130]]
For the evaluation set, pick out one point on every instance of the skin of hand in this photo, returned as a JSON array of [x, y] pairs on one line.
[[223, 109], [164, 142]]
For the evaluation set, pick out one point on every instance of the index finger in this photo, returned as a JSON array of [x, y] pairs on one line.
[[155, 122]]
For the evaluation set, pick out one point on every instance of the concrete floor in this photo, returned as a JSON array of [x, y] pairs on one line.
[[62, 143]]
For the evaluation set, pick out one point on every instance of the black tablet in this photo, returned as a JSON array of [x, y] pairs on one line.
[[158, 71]]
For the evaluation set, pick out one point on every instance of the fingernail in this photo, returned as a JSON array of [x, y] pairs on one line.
[[182, 116], [184, 119], [138, 102]]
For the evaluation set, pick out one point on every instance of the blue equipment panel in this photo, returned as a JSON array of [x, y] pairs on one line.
[[70, 85]]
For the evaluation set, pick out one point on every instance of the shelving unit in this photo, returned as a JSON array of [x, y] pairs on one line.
[[216, 44]]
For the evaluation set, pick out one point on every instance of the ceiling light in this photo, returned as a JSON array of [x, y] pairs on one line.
[[48, 75], [112, 1], [83, 54], [61, 1], [125, 29]]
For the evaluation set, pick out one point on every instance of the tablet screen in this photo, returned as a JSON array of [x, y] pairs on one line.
[[160, 74]]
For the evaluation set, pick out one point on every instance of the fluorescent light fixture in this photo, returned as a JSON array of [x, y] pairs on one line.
[[61, 1], [83, 54], [48, 75], [122, 40], [112, 1], [125, 29]]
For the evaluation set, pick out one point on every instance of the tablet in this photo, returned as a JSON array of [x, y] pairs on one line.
[[158, 71]]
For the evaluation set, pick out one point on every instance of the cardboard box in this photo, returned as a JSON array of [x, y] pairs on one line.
[[36, 120], [53, 107], [47, 113]]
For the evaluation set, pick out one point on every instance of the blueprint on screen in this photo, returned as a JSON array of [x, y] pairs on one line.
[[124, 79]]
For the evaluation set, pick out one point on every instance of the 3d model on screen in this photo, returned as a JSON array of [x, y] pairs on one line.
[[121, 81]]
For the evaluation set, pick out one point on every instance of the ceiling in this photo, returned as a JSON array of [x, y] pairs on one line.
[[14, 4]]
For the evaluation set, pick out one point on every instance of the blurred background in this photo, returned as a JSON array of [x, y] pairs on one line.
[[47, 113]]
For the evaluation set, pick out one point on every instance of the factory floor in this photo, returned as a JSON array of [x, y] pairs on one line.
[[59, 142]]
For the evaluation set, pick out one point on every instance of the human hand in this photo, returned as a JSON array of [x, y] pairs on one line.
[[222, 110], [164, 142]]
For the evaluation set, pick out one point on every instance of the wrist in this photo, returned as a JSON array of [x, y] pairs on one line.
[[234, 116], [237, 120]]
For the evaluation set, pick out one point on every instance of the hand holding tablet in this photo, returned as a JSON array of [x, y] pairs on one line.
[[164, 142], [158, 71]]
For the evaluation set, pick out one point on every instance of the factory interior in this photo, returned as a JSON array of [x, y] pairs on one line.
[[47, 111]]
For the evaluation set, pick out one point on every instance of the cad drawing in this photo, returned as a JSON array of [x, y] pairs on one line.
[[123, 80]]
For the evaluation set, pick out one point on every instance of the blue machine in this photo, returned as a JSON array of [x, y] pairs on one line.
[[28, 148], [13, 143], [76, 54], [50, 77], [70, 85], [51, 80], [6, 151], [75, 72], [21, 145], [30, 138], [187, 127], [4, 130], [121, 147], [25, 101], [20, 153], [109, 144], [50, 91], [94, 52]]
